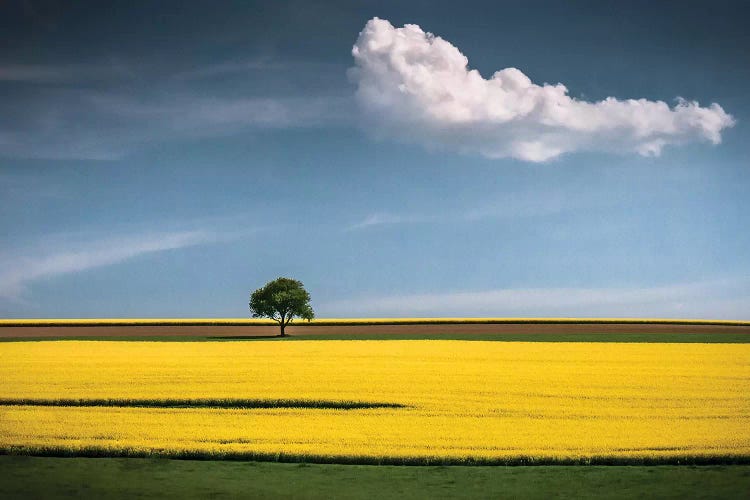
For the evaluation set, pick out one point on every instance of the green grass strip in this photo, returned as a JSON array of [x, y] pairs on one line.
[[202, 403], [115, 452], [127, 478]]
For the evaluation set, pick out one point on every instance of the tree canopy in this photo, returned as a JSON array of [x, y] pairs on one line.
[[281, 300]]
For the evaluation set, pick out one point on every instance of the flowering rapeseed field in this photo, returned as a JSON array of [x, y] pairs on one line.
[[445, 401]]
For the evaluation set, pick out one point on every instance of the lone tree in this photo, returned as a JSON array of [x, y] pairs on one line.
[[281, 300]]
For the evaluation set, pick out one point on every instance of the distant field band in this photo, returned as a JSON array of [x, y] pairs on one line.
[[12, 328]]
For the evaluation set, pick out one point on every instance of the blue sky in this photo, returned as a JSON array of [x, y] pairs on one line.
[[166, 160]]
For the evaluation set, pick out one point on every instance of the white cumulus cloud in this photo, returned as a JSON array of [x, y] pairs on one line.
[[417, 87]]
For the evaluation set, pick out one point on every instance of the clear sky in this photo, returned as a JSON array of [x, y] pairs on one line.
[[164, 159]]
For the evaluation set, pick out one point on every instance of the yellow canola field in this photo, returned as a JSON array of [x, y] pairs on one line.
[[501, 402]]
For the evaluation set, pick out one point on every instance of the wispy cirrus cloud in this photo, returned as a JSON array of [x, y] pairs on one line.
[[510, 205], [62, 73], [253, 65], [104, 112], [383, 218], [20, 269], [417, 87], [720, 299], [107, 126]]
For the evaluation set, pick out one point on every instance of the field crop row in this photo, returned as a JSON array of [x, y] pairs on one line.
[[354, 321], [453, 401]]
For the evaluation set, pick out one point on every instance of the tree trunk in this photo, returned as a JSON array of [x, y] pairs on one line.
[[282, 325]]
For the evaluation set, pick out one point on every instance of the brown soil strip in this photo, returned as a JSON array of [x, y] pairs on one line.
[[300, 330]]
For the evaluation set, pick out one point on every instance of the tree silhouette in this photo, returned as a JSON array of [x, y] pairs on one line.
[[281, 300]]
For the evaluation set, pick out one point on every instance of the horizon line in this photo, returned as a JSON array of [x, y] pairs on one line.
[[352, 321]]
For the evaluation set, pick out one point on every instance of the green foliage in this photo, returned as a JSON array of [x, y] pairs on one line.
[[281, 300]]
